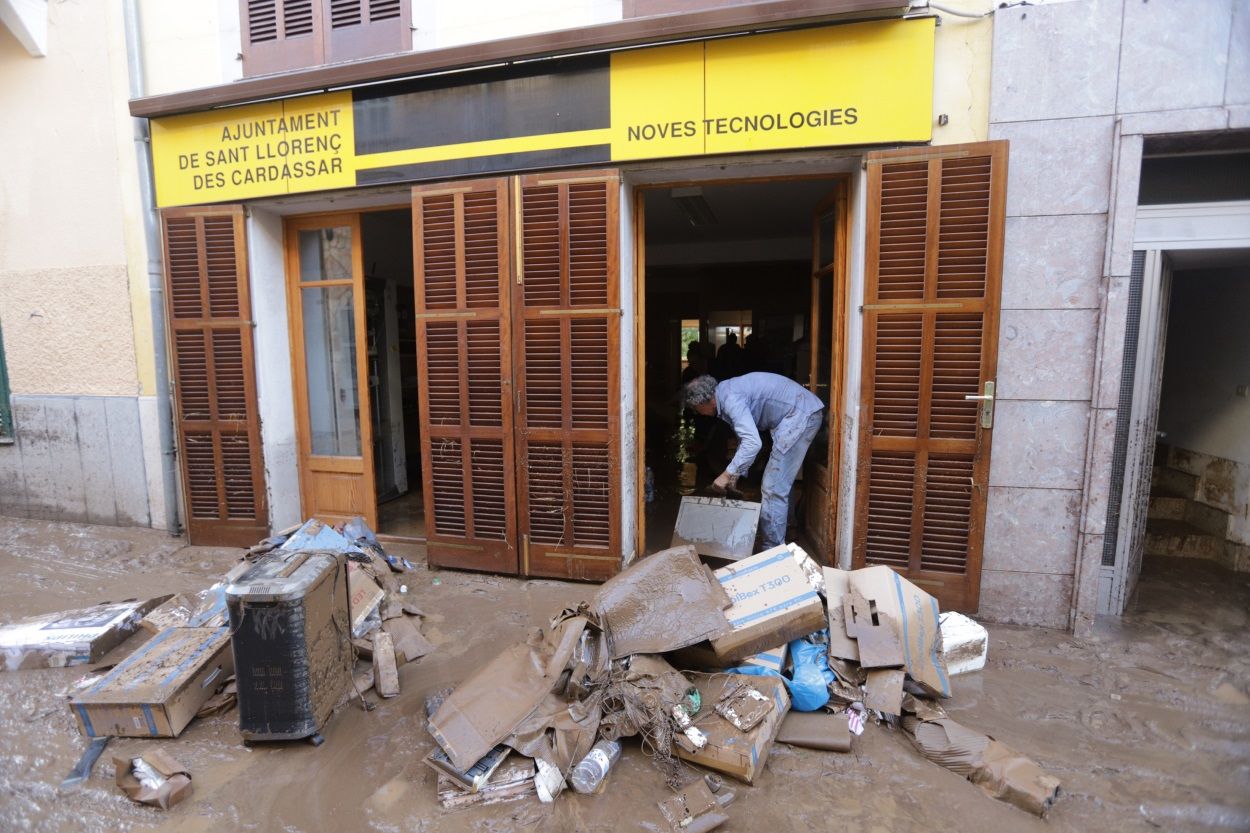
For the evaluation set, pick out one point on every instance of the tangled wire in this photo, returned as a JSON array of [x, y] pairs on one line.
[[638, 699]]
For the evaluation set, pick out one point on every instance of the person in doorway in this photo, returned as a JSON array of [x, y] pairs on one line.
[[754, 354], [696, 362], [729, 357], [758, 402]]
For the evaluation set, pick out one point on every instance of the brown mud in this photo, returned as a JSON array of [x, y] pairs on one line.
[[1147, 724]]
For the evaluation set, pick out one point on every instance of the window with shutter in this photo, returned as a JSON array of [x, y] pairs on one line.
[[934, 262], [462, 263], [209, 311], [364, 28], [566, 345], [280, 35]]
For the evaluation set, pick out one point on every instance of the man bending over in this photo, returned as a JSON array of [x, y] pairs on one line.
[[758, 402]]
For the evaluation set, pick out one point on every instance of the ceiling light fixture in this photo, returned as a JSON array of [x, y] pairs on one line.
[[691, 203]]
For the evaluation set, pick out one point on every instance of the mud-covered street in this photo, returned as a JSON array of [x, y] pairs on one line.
[[1147, 724]]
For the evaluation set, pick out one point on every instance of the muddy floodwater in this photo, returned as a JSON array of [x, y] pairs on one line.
[[1147, 723]]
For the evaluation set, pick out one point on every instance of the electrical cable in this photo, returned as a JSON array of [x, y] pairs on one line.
[[971, 15], [957, 12]]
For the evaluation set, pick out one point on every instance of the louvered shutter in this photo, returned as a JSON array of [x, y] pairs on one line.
[[365, 28], [206, 290], [462, 259], [279, 35], [934, 262], [567, 352]]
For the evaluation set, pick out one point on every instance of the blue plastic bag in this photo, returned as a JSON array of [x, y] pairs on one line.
[[809, 687], [809, 678]]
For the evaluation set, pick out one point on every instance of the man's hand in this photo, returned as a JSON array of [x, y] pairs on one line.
[[725, 482]]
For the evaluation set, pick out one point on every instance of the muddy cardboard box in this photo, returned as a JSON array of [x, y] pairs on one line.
[[774, 659], [72, 637], [915, 615], [717, 527], [701, 657], [739, 754], [205, 609], [364, 595], [772, 603], [156, 691]]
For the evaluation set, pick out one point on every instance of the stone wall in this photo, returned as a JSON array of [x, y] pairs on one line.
[[1075, 88], [77, 458]]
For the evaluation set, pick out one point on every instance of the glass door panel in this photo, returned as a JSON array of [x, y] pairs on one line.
[[325, 254], [330, 365]]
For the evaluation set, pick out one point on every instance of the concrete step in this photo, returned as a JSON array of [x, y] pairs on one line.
[[1167, 508], [1182, 539], [1207, 518], [1200, 515], [1173, 483]]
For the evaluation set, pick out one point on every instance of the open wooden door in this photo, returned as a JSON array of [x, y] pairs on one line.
[[829, 225], [566, 343], [934, 264], [210, 324], [462, 258], [326, 301]]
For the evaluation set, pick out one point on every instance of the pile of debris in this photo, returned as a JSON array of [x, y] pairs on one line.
[[306, 620], [705, 667], [385, 633], [711, 668]]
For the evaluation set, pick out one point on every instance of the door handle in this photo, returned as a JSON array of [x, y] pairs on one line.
[[987, 404]]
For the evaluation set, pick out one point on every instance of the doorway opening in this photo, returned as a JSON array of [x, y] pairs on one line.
[[350, 292], [1199, 506], [391, 351], [739, 277], [1179, 492]]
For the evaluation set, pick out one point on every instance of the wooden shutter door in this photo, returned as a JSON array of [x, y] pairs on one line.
[[280, 35], [934, 263], [206, 290], [462, 265], [567, 352]]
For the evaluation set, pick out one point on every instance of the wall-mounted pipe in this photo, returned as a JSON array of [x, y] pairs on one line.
[[156, 278]]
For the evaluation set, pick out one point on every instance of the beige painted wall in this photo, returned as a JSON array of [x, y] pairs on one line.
[[189, 43], [65, 300], [961, 74]]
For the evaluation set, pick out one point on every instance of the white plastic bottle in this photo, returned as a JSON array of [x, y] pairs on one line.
[[592, 769]]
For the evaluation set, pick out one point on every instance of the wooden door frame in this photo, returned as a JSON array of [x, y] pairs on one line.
[[839, 201], [1159, 229], [841, 182], [290, 228]]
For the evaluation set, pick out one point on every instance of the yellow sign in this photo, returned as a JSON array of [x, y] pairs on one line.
[[856, 84], [280, 147], [657, 102], [860, 84]]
